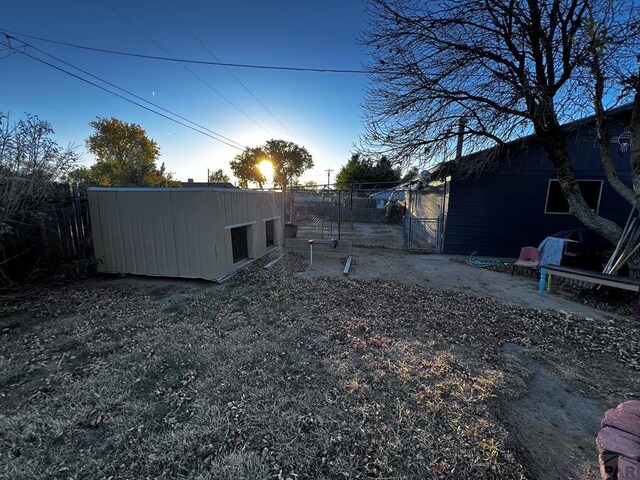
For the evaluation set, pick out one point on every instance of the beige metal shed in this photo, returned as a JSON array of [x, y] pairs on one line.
[[179, 232]]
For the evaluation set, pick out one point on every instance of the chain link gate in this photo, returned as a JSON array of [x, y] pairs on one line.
[[375, 218], [425, 218]]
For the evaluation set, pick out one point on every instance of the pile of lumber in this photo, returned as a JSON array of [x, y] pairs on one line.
[[628, 244]]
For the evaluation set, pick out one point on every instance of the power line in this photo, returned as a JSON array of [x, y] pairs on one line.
[[119, 96], [197, 62], [132, 94], [215, 57], [202, 80]]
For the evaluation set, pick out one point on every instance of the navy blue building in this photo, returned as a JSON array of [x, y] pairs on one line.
[[516, 201]]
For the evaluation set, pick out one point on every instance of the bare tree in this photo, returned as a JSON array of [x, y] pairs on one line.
[[31, 164], [610, 76], [509, 67]]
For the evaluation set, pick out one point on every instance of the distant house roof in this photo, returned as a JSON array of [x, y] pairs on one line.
[[301, 197], [207, 184], [386, 194]]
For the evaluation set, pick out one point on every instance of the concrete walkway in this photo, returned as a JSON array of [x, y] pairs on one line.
[[437, 271]]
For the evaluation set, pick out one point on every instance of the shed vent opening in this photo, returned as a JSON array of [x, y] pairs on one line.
[[239, 243], [269, 229]]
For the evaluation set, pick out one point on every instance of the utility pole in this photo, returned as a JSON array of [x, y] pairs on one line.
[[328, 170], [461, 123]]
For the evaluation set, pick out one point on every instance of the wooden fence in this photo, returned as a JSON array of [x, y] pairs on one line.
[[54, 241]]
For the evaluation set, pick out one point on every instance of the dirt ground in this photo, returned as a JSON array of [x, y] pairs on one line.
[[289, 374], [556, 421]]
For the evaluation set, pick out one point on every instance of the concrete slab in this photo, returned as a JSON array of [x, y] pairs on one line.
[[437, 271]]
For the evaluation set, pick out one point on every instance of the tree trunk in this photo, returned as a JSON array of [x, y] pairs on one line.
[[603, 130], [634, 160], [604, 141], [634, 147], [553, 142]]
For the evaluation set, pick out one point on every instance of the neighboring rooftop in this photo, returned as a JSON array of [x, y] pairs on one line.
[[191, 184]]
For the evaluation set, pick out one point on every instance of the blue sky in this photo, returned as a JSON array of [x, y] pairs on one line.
[[323, 111]]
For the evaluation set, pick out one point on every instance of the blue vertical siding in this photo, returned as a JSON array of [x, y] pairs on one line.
[[503, 209]]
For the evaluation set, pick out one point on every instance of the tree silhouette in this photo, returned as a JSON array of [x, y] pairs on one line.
[[365, 173], [289, 161], [508, 68], [219, 177], [245, 167]]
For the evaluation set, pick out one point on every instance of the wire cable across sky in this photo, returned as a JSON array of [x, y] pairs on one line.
[[198, 128], [187, 68], [215, 57], [186, 60]]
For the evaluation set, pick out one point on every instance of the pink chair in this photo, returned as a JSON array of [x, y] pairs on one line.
[[529, 258]]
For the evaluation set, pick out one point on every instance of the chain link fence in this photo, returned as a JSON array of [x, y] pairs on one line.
[[317, 213], [389, 218]]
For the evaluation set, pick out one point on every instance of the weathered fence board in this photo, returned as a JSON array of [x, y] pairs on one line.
[[42, 241]]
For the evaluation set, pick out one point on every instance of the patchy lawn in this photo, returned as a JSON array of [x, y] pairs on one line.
[[273, 376]]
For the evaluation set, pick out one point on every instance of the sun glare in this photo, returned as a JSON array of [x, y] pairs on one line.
[[266, 169]]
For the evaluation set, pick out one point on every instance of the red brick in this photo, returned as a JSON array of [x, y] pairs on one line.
[[611, 440], [622, 420], [628, 469], [632, 406]]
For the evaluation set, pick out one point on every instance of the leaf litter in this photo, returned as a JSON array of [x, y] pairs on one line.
[[276, 376]]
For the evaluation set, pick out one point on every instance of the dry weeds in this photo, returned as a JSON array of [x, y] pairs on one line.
[[273, 376]]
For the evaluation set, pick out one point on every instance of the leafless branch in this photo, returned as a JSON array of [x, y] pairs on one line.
[[31, 166], [511, 67]]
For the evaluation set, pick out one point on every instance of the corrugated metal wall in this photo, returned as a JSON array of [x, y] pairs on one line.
[[503, 210], [179, 232]]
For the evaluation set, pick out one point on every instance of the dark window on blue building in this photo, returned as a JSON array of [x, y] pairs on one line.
[[556, 203]]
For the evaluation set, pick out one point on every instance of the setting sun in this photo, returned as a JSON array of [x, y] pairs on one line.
[[266, 169]]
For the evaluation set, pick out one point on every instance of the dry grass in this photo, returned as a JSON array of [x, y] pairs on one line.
[[271, 376]]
